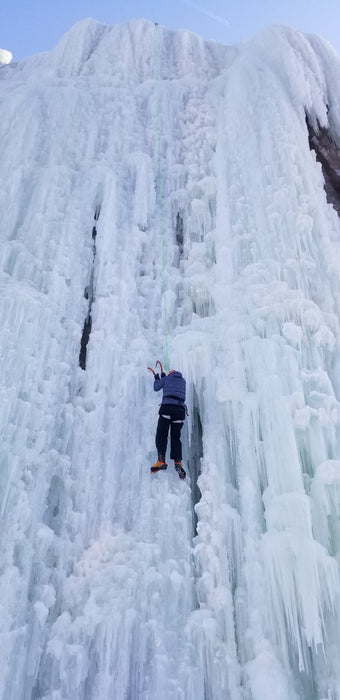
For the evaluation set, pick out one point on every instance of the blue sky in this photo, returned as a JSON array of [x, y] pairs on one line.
[[31, 26]]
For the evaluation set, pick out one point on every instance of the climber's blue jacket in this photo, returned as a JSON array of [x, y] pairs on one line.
[[173, 385]]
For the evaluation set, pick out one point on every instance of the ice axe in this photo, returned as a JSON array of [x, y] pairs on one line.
[[157, 363]]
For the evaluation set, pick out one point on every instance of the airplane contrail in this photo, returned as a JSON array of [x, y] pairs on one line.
[[212, 15]]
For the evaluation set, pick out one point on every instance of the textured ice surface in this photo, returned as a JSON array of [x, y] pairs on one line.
[[116, 584]]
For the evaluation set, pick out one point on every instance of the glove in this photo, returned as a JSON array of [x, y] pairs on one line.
[[163, 374], [156, 376]]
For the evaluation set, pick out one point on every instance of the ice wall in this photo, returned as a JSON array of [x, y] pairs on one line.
[[116, 584]]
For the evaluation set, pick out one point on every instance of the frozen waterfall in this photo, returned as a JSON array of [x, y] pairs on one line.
[[115, 584]]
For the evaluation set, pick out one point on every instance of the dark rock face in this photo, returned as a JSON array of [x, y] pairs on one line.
[[328, 154]]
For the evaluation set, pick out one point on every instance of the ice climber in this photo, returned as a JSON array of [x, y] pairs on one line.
[[171, 415]]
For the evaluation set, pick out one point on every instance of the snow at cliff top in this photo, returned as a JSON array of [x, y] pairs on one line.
[[115, 583]]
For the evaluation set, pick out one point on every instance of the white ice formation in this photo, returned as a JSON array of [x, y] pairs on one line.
[[115, 584]]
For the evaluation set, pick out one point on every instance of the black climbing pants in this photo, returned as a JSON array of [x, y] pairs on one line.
[[170, 416]]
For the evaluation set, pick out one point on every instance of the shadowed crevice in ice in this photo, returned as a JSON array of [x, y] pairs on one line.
[[84, 341], [305, 678], [54, 514], [328, 155], [194, 458], [89, 295], [180, 233]]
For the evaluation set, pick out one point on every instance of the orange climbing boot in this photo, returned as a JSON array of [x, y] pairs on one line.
[[179, 469], [160, 464]]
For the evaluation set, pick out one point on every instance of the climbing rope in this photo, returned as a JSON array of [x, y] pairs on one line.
[[158, 80]]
